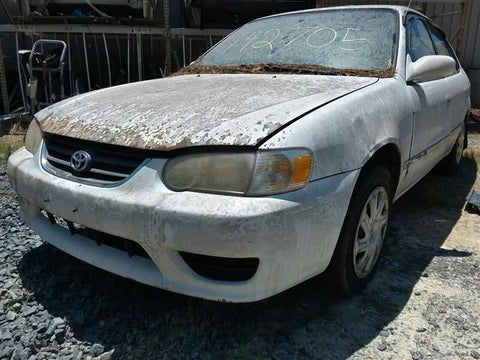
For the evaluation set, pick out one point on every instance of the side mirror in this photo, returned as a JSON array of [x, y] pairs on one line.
[[431, 67]]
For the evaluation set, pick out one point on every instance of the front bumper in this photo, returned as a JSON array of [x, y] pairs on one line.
[[293, 235]]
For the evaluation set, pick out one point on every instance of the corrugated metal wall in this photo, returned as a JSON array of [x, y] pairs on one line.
[[471, 55], [449, 23]]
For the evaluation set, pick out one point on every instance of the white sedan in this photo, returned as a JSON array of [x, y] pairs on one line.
[[274, 157]]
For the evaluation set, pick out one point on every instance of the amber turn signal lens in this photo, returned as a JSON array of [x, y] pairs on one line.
[[301, 169]]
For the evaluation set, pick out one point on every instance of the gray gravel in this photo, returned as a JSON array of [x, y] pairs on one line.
[[424, 302]]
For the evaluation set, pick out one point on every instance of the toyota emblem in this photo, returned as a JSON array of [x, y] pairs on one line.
[[80, 161]]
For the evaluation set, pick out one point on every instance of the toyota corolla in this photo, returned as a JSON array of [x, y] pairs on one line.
[[274, 157]]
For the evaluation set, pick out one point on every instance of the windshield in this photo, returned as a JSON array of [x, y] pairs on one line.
[[359, 39]]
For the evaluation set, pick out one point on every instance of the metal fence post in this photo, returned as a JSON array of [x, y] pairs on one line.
[[3, 83], [168, 37]]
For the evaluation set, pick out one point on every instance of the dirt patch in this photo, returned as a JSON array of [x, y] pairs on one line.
[[473, 153]]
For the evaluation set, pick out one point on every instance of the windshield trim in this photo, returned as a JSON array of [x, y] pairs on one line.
[[395, 44], [271, 68]]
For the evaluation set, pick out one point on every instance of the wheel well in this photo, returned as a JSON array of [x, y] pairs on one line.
[[389, 156]]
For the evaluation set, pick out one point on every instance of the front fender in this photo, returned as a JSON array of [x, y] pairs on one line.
[[345, 133]]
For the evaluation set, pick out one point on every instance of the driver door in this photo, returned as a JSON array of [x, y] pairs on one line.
[[432, 126]]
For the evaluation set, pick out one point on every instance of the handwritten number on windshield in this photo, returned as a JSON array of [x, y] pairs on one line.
[[314, 37], [309, 39], [354, 42], [251, 38], [269, 43], [305, 33]]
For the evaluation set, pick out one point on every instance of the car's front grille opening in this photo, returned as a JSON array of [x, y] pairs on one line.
[[221, 268], [130, 247], [109, 164]]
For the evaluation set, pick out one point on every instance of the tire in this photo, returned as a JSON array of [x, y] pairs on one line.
[[450, 163], [361, 240]]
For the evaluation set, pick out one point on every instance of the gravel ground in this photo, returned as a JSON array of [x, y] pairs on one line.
[[424, 302]]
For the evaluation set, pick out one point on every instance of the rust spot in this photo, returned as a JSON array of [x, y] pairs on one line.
[[310, 69], [110, 135], [53, 126]]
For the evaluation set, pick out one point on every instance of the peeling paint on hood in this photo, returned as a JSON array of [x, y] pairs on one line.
[[192, 110]]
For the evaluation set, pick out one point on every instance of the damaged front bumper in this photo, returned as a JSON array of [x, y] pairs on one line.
[[282, 240]]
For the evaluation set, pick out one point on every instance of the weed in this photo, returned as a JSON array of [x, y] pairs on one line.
[[26, 298], [8, 151], [8, 144]]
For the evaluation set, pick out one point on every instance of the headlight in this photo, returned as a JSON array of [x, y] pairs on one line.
[[33, 137], [256, 173], [215, 172]]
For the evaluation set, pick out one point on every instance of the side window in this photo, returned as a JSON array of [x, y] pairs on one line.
[[419, 41], [439, 42]]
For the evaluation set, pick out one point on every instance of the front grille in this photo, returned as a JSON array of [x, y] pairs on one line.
[[101, 238], [221, 268], [110, 164]]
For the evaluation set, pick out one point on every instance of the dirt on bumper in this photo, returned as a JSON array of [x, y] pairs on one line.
[[293, 235]]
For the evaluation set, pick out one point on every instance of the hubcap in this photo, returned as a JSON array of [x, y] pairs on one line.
[[459, 144], [370, 234]]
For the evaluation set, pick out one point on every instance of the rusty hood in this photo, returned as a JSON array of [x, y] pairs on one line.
[[194, 110]]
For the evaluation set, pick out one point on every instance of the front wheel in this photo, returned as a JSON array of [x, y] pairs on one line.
[[363, 233]]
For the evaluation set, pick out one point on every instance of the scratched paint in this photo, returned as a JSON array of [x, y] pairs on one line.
[[191, 110]]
